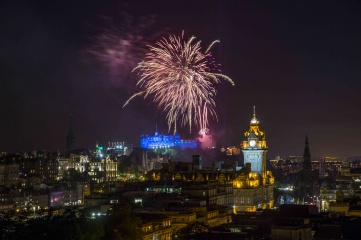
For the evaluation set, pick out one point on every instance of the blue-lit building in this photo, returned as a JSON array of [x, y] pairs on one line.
[[165, 141]]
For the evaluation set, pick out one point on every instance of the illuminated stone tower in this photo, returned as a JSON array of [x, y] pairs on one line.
[[253, 184], [254, 147]]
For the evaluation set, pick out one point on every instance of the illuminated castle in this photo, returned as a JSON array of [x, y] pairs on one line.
[[253, 185], [165, 141]]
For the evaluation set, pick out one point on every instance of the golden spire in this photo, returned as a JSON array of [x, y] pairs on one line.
[[254, 120]]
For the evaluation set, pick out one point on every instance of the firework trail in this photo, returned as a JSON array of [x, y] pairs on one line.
[[203, 121], [181, 79]]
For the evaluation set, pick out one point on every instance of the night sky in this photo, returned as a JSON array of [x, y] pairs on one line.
[[298, 63]]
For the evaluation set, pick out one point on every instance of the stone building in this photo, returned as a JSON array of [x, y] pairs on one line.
[[156, 226], [101, 171], [9, 175]]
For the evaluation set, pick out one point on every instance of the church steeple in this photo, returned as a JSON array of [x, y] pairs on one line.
[[70, 138], [306, 185], [307, 156]]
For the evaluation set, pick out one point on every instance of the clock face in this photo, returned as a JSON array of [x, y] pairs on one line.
[[252, 143]]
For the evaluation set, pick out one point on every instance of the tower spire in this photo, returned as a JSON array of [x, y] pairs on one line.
[[70, 125], [307, 156], [254, 120]]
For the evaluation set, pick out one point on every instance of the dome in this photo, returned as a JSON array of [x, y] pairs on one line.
[[254, 121]]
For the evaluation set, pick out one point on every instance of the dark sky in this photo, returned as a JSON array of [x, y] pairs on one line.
[[298, 62]]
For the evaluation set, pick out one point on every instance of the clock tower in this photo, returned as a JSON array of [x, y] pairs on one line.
[[254, 147], [253, 184]]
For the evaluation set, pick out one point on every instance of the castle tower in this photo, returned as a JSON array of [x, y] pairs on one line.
[[254, 147], [70, 138]]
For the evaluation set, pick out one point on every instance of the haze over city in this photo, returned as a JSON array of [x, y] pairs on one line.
[[298, 63]]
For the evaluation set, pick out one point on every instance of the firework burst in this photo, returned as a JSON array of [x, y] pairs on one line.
[[181, 79], [121, 43]]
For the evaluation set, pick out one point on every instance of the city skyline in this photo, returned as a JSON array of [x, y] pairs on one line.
[[296, 62]]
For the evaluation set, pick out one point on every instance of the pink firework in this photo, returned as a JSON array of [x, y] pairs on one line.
[[181, 79], [121, 44], [206, 140]]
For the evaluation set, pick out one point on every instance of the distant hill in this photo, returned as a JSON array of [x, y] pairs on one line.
[[354, 158]]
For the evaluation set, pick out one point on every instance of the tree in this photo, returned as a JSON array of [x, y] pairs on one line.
[[121, 224], [73, 224]]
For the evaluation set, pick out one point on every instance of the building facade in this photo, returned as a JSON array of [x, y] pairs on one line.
[[9, 175], [165, 141]]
